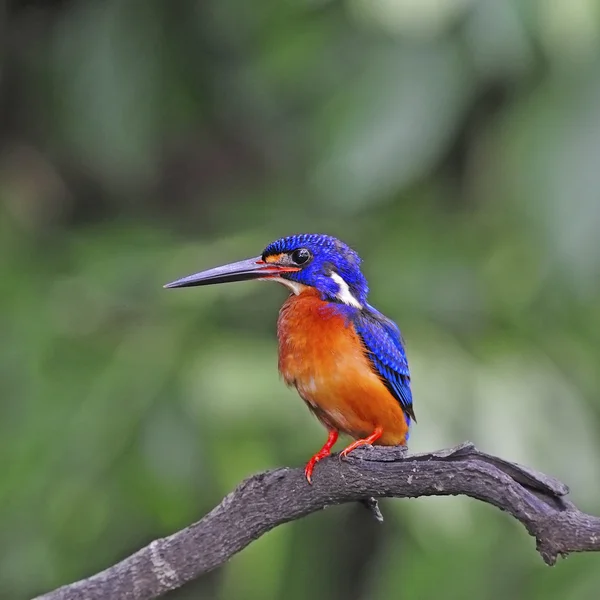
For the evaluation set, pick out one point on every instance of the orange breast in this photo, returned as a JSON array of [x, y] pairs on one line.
[[323, 357]]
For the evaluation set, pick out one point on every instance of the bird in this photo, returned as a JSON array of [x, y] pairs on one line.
[[346, 359]]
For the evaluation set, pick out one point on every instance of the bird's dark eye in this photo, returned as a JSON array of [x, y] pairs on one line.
[[301, 256]]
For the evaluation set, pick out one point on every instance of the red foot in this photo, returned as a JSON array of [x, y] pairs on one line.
[[322, 453], [365, 442]]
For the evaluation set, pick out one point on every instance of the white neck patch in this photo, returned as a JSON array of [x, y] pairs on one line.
[[296, 287], [344, 294]]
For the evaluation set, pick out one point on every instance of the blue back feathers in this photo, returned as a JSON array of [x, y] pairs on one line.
[[381, 337]]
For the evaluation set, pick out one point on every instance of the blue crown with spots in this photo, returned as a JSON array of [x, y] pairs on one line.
[[330, 260]]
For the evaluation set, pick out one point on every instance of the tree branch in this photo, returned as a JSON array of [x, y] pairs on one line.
[[268, 499]]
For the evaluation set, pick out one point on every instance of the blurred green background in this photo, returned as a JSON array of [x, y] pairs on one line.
[[454, 143]]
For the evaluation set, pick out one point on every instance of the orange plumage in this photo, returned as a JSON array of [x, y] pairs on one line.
[[346, 359], [323, 357]]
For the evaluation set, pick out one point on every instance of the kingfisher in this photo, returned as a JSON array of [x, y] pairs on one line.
[[346, 359]]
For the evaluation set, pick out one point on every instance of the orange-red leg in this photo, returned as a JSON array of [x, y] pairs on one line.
[[364, 442], [322, 453]]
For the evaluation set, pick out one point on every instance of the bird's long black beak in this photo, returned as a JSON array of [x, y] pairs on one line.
[[243, 270]]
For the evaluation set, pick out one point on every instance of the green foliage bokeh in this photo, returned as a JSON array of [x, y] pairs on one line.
[[453, 143]]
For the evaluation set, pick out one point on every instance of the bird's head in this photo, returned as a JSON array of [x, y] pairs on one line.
[[310, 260]]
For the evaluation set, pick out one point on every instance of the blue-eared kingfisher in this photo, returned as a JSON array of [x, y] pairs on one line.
[[346, 360]]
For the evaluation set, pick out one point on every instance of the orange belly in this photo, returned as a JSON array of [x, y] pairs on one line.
[[323, 357]]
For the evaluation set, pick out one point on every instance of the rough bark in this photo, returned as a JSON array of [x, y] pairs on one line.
[[268, 499]]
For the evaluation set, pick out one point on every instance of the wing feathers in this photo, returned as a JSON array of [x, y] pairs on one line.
[[385, 349]]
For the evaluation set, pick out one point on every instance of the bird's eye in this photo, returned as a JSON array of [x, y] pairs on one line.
[[301, 256]]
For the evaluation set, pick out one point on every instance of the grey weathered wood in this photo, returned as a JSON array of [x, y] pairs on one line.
[[268, 499]]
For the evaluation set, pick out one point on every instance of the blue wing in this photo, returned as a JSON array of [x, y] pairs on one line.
[[385, 349]]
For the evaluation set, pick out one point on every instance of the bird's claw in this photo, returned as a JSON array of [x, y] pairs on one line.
[[310, 465], [344, 453], [322, 453]]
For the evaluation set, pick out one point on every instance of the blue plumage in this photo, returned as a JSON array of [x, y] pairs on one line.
[[329, 255], [381, 337], [385, 348], [351, 371]]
